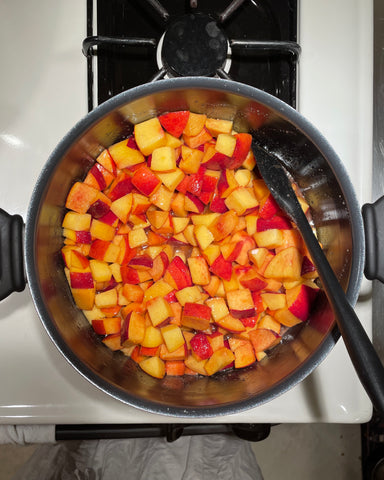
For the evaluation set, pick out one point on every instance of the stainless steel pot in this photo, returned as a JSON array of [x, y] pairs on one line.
[[314, 165]]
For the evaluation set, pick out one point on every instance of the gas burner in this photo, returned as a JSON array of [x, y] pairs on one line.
[[194, 45], [247, 41]]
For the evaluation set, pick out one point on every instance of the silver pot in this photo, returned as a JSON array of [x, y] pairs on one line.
[[315, 167]]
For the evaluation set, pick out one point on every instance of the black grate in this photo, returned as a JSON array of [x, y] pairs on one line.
[[262, 37]]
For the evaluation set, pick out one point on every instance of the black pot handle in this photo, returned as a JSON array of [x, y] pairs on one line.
[[373, 216], [12, 276]]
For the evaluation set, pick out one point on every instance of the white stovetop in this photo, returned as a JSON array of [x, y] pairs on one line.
[[43, 94]]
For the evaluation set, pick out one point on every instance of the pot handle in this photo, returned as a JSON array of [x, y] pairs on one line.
[[373, 217], [12, 276]]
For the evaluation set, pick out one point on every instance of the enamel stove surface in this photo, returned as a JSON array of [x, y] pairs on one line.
[[44, 94]]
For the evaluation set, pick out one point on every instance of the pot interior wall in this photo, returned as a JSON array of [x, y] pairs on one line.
[[228, 392]]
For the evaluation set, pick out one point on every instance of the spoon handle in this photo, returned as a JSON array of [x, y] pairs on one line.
[[364, 358]]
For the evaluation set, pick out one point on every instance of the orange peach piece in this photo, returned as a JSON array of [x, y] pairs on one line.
[[178, 354], [225, 144], [241, 199], [84, 297], [196, 365], [224, 225], [153, 366], [158, 289], [106, 299], [122, 207], [196, 140], [244, 355], [163, 159], [203, 235], [149, 135], [137, 238], [195, 124], [219, 359], [171, 179], [230, 324], [217, 126], [191, 159], [162, 198], [77, 221], [199, 270], [159, 311], [263, 339], [124, 156], [285, 265], [101, 271], [152, 337], [269, 323], [274, 301], [102, 231], [174, 368], [80, 197], [173, 337]]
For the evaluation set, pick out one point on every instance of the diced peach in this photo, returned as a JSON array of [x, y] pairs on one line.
[[219, 360], [137, 238], [196, 316], [244, 355], [162, 198], [285, 265], [217, 126], [107, 161], [274, 301], [159, 311], [152, 337], [196, 140], [196, 365], [269, 323], [101, 230], [106, 299], [154, 366], [230, 324], [81, 197], [149, 135], [195, 124], [158, 289], [133, 293], [107, 326], [84, 297], [174, 122], [225, 144], [124, 156], [189, 294], [191, 159], [171, 179], [241, 199], [77, 221], [173, 337], [174, 368], [300, 300], [199, 270], [163, 159], [224, 225], [101, 271]]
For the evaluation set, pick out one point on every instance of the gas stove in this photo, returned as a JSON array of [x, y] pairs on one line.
[[324, 69]]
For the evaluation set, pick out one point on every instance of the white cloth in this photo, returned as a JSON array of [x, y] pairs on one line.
[[25, 434], [201, 457]]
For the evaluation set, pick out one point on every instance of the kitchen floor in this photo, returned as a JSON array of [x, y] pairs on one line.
[[299, 451]]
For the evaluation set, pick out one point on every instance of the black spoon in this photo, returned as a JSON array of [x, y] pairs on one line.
[[364, 358]]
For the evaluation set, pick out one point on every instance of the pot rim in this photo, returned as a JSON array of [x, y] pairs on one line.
[[226, 86]]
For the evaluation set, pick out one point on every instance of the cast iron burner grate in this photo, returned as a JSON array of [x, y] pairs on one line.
[[250, 41]]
